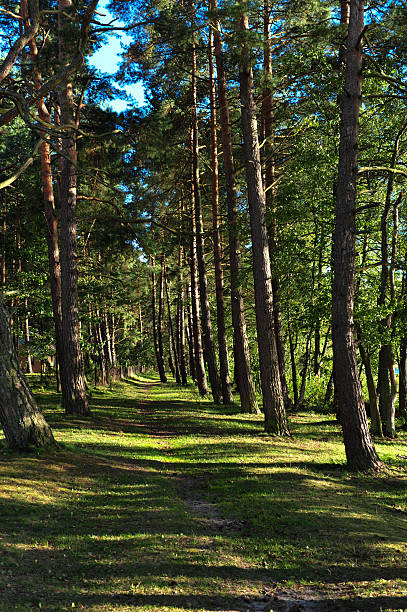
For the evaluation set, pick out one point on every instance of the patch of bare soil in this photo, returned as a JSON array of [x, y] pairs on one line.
[[207, 511]]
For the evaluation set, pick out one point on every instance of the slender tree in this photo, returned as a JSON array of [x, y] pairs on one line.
[[207, 331], [217, 245], [273, 401], [72, 375]]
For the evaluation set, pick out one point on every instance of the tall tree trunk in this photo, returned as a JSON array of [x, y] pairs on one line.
[[49, 202], [190, 339], [27, 338], [387, 390], [273, 401], [140, 323], [207, 332], [161, 311], [375, 419], [181, 320], [403, 378], [217, 248], [293, 363], [359, 448], [99, 345], [115, 373], [74, 398], [171, 328], [385, 379], [241, 351], [269, 185], [196, 315], [158, 353], [22, 421], [304, 373]]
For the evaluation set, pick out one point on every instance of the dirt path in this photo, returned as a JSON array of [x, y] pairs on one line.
[[215, 524], [134, 512]]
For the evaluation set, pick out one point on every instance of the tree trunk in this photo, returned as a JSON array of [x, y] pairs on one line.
[[49, 206], [140, 323], [403, 378], [190, 340], [273, 401], [171, 327], [360, 451], [161, 313], [304, 373], [27, 339], [207, 332], [241, 351], [181, 320], [22, 421], [269, 185], [293, 363], [386, 390], [74, 398], [217, 248], [375, 420], [158, 354], [196, 315]]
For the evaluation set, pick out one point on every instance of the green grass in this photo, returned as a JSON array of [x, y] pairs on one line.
[[128, 513]]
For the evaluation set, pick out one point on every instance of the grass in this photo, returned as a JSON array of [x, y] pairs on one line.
[[162, 501]]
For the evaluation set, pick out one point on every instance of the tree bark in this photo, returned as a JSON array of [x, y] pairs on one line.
[[207, 332], [190, 340], [22, 421], [241, 351], [217, 247], [49, 205], [403, 378], [387, 390], [196, 315], [181, 320], [359, 448], [269, 185], [171, 327], [158, 353], [273, 401], [74, 398], [293, 363], [375, 419], [161, 314]]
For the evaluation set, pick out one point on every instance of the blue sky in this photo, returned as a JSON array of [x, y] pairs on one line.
[[107, 59]]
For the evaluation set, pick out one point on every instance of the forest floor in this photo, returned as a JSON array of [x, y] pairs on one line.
[[160, 501]]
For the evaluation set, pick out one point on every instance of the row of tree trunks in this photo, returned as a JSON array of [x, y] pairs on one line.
[[243, 377]]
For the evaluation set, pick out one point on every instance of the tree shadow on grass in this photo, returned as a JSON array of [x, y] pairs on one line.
[[99, 525]]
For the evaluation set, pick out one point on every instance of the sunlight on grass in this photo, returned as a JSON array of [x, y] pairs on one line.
[[161, 501]]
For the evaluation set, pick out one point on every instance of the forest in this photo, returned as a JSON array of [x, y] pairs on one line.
[[203, 315]]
